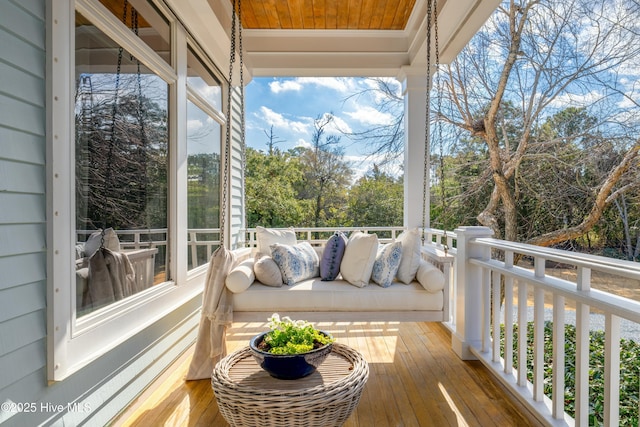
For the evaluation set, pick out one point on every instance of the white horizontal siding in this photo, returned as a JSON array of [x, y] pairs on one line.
[[236, 216], [27, 268], [22, 116], [22, 208], [21, 300], [22, 239], [24, 19], [22, 147], [11, 331]]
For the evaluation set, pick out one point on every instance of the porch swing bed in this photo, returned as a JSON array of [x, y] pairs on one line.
[[344, 279]]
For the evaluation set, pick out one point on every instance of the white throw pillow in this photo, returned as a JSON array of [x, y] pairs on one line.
[[430, 277], [269, 236], [267, 271], [359, 256], [241, 277], [296, 262], [410, 261], [386, 265], [94, 241]]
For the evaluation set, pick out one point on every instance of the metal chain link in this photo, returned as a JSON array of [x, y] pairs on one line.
[[439, 125], [427, 145], [243, 154], [432, 23]]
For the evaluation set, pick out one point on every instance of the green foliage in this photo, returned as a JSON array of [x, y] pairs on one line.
[[629, 371], [270, 193], [293, 336], [376, 199]]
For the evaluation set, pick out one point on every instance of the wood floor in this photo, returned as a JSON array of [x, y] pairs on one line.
[[415, 380]]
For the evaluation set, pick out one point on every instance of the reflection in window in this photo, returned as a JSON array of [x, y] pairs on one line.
[[142, 17], [121, 172], [200, 79], [203, 162], [203, 181]]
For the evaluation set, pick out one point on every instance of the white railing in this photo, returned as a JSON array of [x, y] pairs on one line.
[[484, 265]]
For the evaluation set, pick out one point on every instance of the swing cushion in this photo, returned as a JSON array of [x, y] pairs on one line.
[[386, 265], [296, 262], [358, 259], [267, 271], [332, 256], [241, 277], [411, 257], [268, 236], [430, 277]]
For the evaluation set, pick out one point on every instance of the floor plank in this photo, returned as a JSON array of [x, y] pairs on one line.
[[415, 380]]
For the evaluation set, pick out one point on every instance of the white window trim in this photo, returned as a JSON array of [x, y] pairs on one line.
[[74, 344]]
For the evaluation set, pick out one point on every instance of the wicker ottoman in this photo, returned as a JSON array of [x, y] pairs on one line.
[[248, 396]]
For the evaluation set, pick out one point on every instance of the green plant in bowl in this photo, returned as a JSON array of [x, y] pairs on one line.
[[288, 336], [291, 349]]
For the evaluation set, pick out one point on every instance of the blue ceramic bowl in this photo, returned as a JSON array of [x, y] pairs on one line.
[[289, 366]]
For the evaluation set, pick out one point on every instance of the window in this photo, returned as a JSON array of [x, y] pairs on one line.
[[121, 153], [120, 195]]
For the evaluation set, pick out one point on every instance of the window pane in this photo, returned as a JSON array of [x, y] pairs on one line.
[[121, 157], [200, 79], [203, 196], [142, 17]]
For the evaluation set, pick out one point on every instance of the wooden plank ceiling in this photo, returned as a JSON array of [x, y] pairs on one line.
[[326, 14]]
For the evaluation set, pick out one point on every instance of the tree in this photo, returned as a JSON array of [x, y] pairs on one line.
[[376, 200], [271, 182], [531, 57], [272, 140], [325, 174]]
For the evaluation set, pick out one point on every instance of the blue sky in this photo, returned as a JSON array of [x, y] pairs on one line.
[[292, 104]]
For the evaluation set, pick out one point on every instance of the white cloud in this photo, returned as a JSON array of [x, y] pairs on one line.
[[194, 125], [278, 86], [360, 165], [342, 85], [303, 143], [338, 126], [339, 84], [577, 100], [279, 121], [370, 116]]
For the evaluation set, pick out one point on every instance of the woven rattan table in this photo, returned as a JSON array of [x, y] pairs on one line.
[[248, 396]]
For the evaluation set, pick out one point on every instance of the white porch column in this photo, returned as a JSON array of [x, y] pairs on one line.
[[468, 291], [414, 84]]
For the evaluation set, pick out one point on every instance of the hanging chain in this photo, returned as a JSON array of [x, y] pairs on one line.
[[243, 149], [438, 123], [227, 145], [427, 145], [432, 23]]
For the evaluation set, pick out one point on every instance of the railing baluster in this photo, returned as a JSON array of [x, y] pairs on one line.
[[558, 357], [523, 331], [495, 316], [582, 351], [538, 333], [611, 370], [508, 315], [486, 313]]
